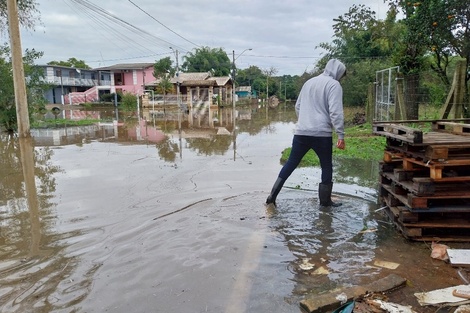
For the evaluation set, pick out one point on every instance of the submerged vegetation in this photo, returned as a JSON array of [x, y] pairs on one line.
[[58, 123]]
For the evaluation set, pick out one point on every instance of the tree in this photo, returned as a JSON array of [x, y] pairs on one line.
[[35, 87], [413, 49], [444, 25], [71, 62], [207, 59], [365, 45], [163, 67], [356, 36], [27, 11], [162, 70]]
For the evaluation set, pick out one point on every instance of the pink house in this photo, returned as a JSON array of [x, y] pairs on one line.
[[131, 77]]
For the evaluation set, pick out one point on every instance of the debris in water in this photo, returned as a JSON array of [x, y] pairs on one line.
[[306, 265], [386, 264]]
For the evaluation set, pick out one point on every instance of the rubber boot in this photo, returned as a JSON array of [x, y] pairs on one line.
[[275, 191], [324, 193]]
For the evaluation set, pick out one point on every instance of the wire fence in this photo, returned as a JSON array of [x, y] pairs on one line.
[[423, 95]]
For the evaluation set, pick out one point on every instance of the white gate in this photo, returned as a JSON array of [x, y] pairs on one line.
[[385, 93]]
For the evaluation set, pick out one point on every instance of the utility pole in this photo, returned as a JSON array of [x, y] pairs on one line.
[[233, 88], [21, 101], [177, 79], [178, 102]]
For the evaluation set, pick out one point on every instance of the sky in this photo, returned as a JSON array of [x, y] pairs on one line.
[[283, 35]]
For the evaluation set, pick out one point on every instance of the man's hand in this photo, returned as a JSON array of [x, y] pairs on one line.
[[341, 144]]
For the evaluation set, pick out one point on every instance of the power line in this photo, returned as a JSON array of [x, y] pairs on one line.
[[96, 14], [164, 25]]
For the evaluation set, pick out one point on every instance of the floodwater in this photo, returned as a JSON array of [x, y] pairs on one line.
[[150, 215]]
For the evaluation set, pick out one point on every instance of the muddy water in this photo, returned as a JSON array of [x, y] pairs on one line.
[[136, 216]]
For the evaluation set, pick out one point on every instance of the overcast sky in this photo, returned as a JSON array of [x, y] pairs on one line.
[[282, 34]]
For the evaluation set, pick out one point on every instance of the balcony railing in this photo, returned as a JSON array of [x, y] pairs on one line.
[[72, 81]]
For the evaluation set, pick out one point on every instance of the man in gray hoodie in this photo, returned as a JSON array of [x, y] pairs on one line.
[[319, 109]]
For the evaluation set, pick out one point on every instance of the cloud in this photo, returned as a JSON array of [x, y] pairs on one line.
[[283, 34]]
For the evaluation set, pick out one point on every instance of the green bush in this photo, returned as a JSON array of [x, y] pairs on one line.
[[128, 101]]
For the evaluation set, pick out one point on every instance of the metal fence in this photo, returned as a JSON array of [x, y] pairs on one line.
[[385, 93]]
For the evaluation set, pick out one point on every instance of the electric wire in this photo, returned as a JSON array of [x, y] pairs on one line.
[[110, 30], [140, 38], [195, 44], [133, 29]]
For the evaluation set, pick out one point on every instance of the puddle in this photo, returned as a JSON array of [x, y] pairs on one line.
[[142, 216]]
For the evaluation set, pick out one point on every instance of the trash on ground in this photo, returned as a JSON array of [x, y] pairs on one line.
[[459, 257], [345, 308], [342, 298], [390, 307], [368, 230], [386, 264], [461, 293], [463, 309], [439, 251], [441, 295]]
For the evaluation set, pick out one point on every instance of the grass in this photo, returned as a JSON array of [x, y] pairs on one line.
[[58, 123], [360, 144]]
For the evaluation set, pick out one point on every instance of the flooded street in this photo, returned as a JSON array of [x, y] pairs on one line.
[[136, 216]]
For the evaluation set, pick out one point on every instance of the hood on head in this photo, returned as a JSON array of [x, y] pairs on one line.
[[335, 69]]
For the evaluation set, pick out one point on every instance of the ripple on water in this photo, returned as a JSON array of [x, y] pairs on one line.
[[330, 244]]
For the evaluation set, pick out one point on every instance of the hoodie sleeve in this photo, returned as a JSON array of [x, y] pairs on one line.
[[335, 103], [297, 106]]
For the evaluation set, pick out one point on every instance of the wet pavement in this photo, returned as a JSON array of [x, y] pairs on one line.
[[142, 215]]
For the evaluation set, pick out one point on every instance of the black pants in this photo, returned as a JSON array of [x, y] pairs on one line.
[[322, 146]]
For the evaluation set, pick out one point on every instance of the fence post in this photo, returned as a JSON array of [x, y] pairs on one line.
[[370, 104], [400, 98], [454, 102]]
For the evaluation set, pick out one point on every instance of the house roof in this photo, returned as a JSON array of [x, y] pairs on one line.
[[244, 89], [195, 83], [182, 77], [125, 66], [195, 79], [220, 81]]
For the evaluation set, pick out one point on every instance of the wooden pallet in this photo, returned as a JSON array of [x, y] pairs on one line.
[[451, 127], [397, 131], [438, 228], [425, 180], [403, 193]]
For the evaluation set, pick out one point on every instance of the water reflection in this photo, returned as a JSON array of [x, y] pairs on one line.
[[33, 266], [170, 131]]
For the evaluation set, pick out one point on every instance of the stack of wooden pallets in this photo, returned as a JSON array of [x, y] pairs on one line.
[[425, 180]]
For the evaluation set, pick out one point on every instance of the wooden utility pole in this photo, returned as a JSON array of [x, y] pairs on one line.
[[21, 101]]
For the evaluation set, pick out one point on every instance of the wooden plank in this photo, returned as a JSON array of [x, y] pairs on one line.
[[423, 186], [399, 132], [412, 232], [408, 217], [437, 152], [444, 223]]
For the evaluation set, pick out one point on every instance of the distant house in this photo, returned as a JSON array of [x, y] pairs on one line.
[[65, 80], [199, 87], [243, 92], [74, 86], [129, 77]]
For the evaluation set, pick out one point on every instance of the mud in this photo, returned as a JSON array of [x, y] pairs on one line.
[[145, 216]]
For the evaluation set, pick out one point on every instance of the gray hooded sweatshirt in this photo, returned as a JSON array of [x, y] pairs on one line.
[[319, 106]]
